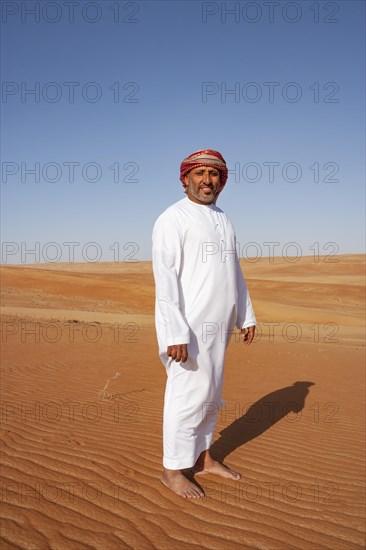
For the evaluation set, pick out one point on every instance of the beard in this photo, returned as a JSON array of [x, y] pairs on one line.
[[208, 199]]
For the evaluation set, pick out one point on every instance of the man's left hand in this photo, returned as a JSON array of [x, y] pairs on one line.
[[248, 334]]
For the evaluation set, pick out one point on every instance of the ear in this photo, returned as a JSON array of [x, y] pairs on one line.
[[185, 179]]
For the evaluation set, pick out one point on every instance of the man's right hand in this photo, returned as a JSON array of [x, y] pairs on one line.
[[178, 352]]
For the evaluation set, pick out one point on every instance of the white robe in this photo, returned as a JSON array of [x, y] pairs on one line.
[[201, 295]]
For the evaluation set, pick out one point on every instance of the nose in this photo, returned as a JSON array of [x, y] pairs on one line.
[[207, 178]]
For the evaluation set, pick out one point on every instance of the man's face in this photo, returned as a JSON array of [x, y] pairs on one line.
[[203, 184]]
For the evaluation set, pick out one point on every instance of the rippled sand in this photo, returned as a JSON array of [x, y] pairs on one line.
[[81, 467]]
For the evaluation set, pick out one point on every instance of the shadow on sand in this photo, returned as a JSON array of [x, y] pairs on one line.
[[259, 417]]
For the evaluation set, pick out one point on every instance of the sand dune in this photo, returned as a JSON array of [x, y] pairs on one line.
[[81, 468]]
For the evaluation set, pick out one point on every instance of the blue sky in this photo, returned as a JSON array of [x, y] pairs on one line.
[[172, 63]]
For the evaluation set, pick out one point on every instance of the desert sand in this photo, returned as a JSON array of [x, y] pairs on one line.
[[81, 457]]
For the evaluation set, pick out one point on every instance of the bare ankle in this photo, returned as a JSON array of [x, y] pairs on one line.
[[171, 473]]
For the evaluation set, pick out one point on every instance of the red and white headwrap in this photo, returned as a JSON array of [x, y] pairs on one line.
[[205, 157]]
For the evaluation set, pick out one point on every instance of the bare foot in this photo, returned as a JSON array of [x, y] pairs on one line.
[[215, 468], [180, 485]]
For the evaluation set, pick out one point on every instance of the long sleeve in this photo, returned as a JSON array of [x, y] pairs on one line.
[[246, 317], [166, 259]]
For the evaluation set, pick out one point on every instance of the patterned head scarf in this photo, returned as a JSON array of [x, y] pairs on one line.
[[205, 157]]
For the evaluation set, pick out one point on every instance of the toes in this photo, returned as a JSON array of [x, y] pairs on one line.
[[194, 493], [182, 488]]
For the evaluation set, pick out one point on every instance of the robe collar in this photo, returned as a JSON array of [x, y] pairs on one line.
[[197, 205]]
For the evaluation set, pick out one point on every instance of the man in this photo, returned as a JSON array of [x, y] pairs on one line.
[[201, 295]]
